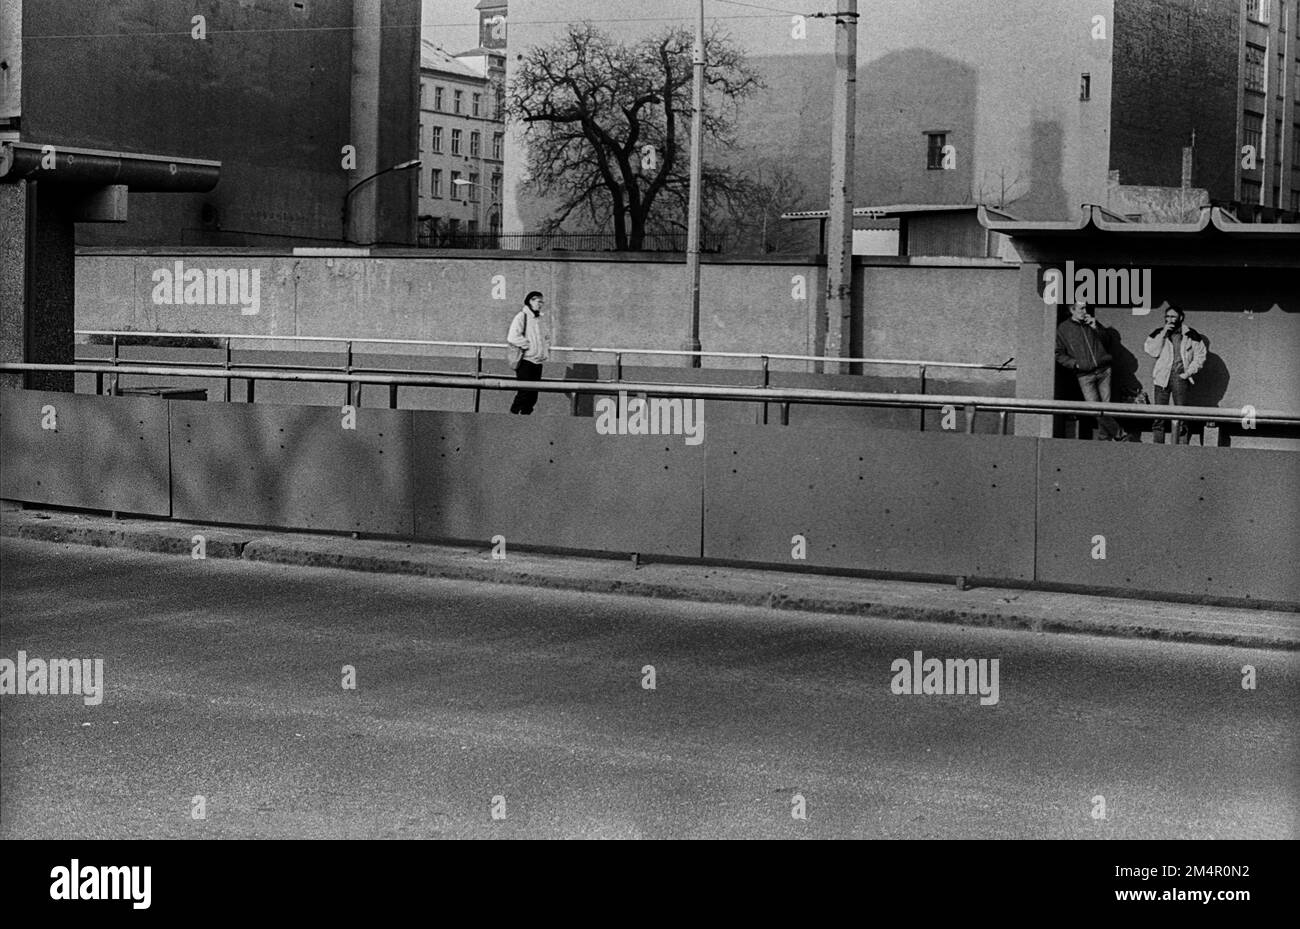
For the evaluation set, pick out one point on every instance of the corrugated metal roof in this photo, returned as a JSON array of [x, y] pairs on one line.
[[1093, 219]]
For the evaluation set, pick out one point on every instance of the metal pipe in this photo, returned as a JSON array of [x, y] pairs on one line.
[[922, 370], [227, 390], [715, 392]]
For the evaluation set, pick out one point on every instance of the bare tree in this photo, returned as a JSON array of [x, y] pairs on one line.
[[608, 124]]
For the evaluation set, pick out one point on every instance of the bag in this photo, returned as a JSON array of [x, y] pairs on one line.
[[515, 354]]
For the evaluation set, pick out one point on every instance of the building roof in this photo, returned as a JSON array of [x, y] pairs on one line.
[[1093, 220], [435, 58], [899, 209]]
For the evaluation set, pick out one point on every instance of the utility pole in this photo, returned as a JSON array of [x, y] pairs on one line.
[[839, 244], [692, 343]]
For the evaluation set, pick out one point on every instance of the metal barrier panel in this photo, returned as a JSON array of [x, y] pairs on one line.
[[557, 482], [1184, 520], [893, 501], [292, 467], [100, 453]]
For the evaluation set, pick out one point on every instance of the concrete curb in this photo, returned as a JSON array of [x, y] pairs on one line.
[[1026, 610]]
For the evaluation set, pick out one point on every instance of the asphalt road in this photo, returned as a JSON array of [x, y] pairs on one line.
[[223, 679]]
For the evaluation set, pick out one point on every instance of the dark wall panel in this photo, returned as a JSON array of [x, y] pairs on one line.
[[293, 467], [883, 500], [104, 453], [555, 481], [1212, 522]]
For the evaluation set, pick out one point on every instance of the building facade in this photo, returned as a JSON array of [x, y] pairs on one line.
[[299, 102], [462, 141], [1032, 106]]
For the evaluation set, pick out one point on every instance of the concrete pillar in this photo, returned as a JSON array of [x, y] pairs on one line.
[[37, 267], [1035, 350], [367, 44]]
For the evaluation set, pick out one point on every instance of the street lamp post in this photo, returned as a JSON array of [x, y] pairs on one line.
[[461, 182], [347, 198]]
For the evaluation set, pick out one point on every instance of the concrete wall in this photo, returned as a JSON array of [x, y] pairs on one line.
[[954, 312], [1174, 521]]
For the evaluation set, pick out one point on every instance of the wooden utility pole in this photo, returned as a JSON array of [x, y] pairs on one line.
[[692, 343], [839, 244]]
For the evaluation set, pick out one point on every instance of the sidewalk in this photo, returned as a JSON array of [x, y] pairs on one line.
[[1039, 611]]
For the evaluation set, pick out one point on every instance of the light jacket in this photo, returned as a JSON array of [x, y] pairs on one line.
[[1191, 349], [533, 336]]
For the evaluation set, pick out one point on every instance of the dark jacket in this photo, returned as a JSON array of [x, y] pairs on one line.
[[1082, 349]]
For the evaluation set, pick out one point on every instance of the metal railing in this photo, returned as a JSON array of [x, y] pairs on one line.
[[349, 365], [785, 396]]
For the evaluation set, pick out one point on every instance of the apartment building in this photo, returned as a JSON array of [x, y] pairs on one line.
[[1268, 109], [462, 139]]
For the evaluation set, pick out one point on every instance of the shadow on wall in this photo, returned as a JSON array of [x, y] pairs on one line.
[[902, 97], [1046, 197]]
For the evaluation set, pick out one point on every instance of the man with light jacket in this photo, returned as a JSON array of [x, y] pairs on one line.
[[1083, 347], [530, 334], [1179, 351]]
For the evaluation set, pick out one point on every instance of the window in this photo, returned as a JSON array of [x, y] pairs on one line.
[[435, 182], [1255, 68], [1295, 146], [472, 227], [458, 190], [1250, 191], [475, 144], [1085, 86], [420, 142], [455, 141], [1280, 83], [501, 102], [458, 102], [1253, 132], [497, 141], [934, 150], [437, 98], [1277, 143], [1295, 201], [1257, 10], [436, 140], [477, 104], [473, 188], [496, 186]]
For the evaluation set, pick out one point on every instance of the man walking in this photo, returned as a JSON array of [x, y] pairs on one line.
[[1083, 347], [1179, 351], [529, 334]]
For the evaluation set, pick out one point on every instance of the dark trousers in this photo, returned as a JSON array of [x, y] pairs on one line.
[[525, 400], [1177, 391], [1096, 389]]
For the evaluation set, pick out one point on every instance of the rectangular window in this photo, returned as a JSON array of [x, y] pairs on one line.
[[1085, 86], [477, 104], [419, 144], [1250, 191], [1254, 68], [435, 142], [1277, 143], [455, 141], [457, 190], [473, 188], [1257, 10], [1253, 132], [497, 142], [435, 182], [501, 102], [934, 150], [1295, 146], [496, 187], [437, 98], [475, 144], [1295, 201], [458, 102]]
